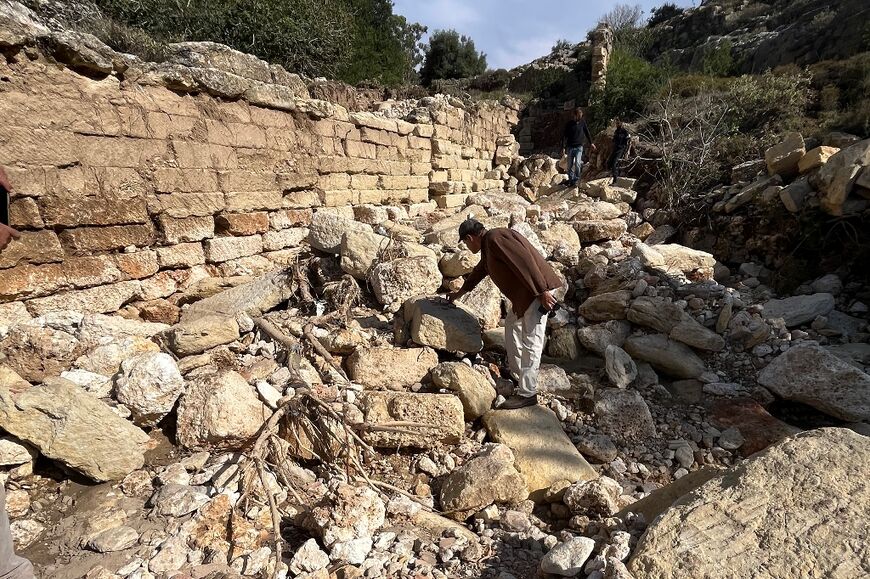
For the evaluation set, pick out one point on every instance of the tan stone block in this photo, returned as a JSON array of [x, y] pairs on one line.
[[373, 196], [417, 196], [449, 201], [120, 151], [276, 240], [296, 181], [366, 119], [397, 167], [387, 153], [98, 300], [183, 255], [90, 239], [254, 200], [171, 180], [163, 284], [248, 135], [112, 182], [361, 150], [420, 168], [339, 197], [287, 218], [301, 199], [816, 158], [251, 265], [442, 132], [426, 131], [446, 162], [246, 181], [242, 223], [137, 265], [39, 280], [403, 182], [193, 155], [165, 126], [364, 182], [271, 118], [419, 143], [343, 165], [38, 146], [92, 210], [186, 229], [182, 205], [24, 214], [334, 181], [33, 247], [222, 249]]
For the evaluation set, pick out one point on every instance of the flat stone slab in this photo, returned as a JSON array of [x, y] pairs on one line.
[[798, 310], [758, 427], [661, 499], [798, 509], [543, 452]]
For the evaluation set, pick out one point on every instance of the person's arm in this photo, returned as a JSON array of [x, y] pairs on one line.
[[471, 281], [565, 138], [7, 233]]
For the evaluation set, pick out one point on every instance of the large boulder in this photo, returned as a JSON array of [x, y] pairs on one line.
[[385, 367], [196, 335], [836, 179], [675, 259], [620, 368], [597, 337], [149, 385], [590, 231], [747, 520], [798, 310], [606, 306], [37, 353], [666, 317], [219, 410], [106, 358], [327, 230], [665, 355], [595, 498], [458, 263], [484, 301], [813, 375], [438, 417], [475, 391], [488, 477], [347, 516], [443, 326], [544, 453], [395, 281], [561, 242], [360, 250], [69, 425], [624, 415]]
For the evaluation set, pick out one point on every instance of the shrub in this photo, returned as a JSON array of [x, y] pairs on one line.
[[491, 80], [663, 13], [561, 45], [632, 83], [717, 60], [449, 55]]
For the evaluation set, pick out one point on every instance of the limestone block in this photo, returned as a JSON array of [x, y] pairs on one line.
[[815, 158], [222, 249], [242, 223]]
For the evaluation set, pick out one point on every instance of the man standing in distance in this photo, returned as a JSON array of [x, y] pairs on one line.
[[576, 137], [621, 142], [527, 280]]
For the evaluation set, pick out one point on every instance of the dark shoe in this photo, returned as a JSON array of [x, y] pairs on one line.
[[515, 402]]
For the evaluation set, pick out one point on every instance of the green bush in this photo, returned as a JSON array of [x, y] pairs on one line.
[[449, 55], [632, 83], [718, 60], [663, 13], [491, 81], [353, 40]]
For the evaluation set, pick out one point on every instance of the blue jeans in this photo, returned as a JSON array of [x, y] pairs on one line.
[[575, 163]]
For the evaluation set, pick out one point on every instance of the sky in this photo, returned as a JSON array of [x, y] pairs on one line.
[[515, 32]]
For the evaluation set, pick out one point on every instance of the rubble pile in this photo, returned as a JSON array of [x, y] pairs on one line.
[[388, 459]]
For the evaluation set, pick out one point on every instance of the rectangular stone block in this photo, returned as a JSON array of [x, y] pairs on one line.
[[163, 284], [186, 229], [84, 240], [24, 214], [302, 199], [293, 237], [297, 181], [170, 180], [364, 181], [254, 200], [181, 256], [334, 181], [377, 137], [361, 150], [419, 143], [193, 155], [92, 210], [373, 196], [366, 119], [339, 197], [119, 151], [387, 153], [420, 168], [183, 205], [448, 201], [343, 165], [246, 181], [287, 218], [37, 146], [40, 280], [242, 223], [137, 265], [98, 300], [33, 247], [222, 249], [404, 182], [425, 131]]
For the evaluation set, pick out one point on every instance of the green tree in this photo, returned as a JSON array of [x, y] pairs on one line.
[[663, 13], [449, 55], [632, 83]]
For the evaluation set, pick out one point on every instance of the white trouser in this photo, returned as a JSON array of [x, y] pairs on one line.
[[524, 341]]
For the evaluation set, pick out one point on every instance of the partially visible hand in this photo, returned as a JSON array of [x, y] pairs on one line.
[[4, 181], [7, 234], [547, 300], [594, 148], [453, 296]]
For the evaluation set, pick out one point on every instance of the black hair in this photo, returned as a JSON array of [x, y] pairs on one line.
[[470, 226]]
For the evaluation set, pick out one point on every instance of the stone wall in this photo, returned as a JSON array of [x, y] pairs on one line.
[[126, 190]]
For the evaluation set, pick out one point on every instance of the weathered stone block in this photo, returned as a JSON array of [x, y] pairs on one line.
[[188, 229], [441, 415], [183, 255], [223, 249], [97, 210], [293, 237], [33, 247], [91, 239], [242, 223]]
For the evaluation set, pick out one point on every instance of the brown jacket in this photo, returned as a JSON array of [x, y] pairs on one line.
[[516, 267]]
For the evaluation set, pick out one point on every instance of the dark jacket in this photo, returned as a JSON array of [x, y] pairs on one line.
[[516, 267], [621, 138], [576, 134]]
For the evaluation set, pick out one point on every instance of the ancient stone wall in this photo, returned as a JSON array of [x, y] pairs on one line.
[[125, 190]]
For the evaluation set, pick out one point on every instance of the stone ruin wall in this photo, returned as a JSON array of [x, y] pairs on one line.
[[129, 192]]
